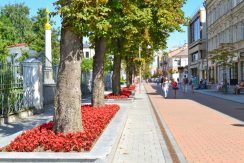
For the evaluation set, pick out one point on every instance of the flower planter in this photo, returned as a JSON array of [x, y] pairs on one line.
[[102, 151]]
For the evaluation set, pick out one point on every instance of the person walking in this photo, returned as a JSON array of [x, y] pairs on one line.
[[191, 86], [185, 83], [175, 87], [166, 87]]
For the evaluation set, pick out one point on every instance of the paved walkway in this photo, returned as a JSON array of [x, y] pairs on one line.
[[141, 141], [202, 133], [26, 123], [229, 96]]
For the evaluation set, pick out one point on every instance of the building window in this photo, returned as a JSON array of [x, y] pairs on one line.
[[195, 30], [87, 54], [194, 57], [203, 54]]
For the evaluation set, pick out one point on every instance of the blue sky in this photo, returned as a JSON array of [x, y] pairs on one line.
[[175, 39], [34, 5]]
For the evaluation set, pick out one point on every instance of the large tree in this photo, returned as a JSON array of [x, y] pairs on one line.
[[67, 114], [102, 21], [91, 19]]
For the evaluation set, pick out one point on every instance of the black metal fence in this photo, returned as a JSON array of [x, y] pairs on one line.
[[11, 89]]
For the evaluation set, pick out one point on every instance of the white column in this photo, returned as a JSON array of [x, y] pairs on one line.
[[48, 48], [48, 71]]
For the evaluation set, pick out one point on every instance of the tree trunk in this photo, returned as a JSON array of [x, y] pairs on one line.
[[67, 114], [98, 73], [129, 73], [116, 70]]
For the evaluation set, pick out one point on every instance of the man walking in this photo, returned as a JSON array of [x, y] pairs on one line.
[[165, 86]]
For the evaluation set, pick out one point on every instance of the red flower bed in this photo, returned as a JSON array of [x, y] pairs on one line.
[[94, 120], [123, 94], [126, 93], [131, 88], [112, 96]]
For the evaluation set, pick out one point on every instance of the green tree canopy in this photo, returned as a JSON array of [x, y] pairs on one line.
[[86, 64], [18, 15]]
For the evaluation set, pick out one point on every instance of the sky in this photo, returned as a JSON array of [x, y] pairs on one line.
[[175, 39]]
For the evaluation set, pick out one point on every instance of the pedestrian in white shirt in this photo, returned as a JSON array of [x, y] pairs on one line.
[[166, 87]]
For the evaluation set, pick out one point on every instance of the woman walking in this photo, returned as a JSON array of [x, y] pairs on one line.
[[175, 87]]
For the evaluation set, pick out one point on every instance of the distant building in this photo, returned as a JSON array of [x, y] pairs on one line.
[[155, 66], [226, 25], [88, 52], [17, 50], [197, 47], [177, 62]]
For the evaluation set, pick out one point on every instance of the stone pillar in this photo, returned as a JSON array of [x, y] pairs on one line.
[[48, 71], [32, 84]]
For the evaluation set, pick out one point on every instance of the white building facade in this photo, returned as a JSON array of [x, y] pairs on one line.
[[177, 62], [226, 25]]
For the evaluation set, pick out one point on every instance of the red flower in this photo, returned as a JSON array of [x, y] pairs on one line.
[[94, 120]]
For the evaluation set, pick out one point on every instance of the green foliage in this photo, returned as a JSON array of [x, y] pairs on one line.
[[3, 50], [122, 81], [23, 57], [17, 27], [108, 65], [10, 93], [86, 64], [38, 38], [139, 61], [17, 16], [223, 56]]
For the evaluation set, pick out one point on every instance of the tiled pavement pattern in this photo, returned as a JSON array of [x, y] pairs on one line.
[[228, 96], [203, 134], [141, 140]]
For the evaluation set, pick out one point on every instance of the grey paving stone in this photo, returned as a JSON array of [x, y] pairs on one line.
[[141, 139]]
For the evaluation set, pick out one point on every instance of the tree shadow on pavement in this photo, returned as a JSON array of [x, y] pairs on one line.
[[238, 125], [230, 108], [23, 124]]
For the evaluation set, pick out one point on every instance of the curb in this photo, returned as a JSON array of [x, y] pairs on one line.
[[168, 135], [102, 152], [164, 147]]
